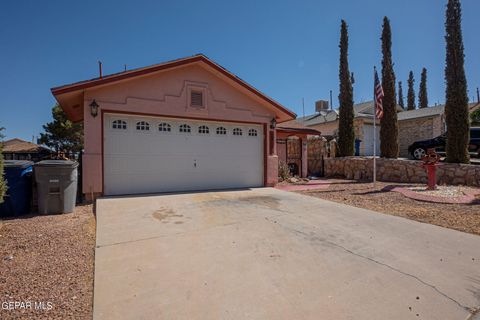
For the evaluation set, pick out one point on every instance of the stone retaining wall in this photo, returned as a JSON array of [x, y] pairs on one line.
[[317, 151], [408, 171]]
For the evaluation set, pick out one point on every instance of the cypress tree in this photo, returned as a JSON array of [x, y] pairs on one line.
[[401, 103], [389, 125], [422, 92], [346, 133], [456, 105], [411, 92]]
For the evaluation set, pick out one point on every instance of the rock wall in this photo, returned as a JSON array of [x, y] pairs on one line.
[[408, 171], [317, 151]]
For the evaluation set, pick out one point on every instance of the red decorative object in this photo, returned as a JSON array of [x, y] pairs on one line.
[[430, 163]]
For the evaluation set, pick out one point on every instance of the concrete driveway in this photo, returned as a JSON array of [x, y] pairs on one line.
[[271, 254]]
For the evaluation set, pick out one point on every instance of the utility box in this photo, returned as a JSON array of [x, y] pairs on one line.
[[18, 199], [56, 186]]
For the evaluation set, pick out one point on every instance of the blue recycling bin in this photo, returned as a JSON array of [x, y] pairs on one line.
[[17, 201]]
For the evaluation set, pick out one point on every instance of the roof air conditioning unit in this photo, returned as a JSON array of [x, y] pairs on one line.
[[321, 105]]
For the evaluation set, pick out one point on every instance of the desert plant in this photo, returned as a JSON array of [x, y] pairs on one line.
[[283, 171]]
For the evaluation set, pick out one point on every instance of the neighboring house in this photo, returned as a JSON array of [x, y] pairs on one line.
[[422, 124], [18, 149], [326, 121], [414, 125], [187, 124]]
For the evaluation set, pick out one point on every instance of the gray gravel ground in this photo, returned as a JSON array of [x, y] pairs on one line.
[[362, 194], [48, 259]]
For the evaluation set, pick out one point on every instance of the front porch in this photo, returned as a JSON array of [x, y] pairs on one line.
[[292, 148]]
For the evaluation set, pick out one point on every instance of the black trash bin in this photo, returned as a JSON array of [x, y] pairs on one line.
[[18, 199], [56, 185]]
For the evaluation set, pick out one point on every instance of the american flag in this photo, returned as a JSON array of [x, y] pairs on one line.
[[378, 97]]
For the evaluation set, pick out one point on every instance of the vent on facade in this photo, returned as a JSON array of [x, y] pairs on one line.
[[196, 99], [321, 105]]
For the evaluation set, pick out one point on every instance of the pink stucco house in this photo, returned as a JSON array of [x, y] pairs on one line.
[[187, 124]]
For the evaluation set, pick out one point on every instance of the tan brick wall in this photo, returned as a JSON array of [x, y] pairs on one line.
[[438, 125], [413, 130]]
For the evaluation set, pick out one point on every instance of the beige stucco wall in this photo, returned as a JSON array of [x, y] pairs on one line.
[[327, 128], [165, 94], [331, 128]]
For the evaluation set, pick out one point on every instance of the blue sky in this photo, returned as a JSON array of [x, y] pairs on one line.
[[286, 49]]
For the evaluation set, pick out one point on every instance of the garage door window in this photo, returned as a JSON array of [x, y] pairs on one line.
[[203, 130], [143, 126], [119, 125], [252, 133], [237, 132], [164, 127], [185, 128], [221, 131]]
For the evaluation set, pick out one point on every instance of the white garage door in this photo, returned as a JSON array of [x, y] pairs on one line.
[[148, 155], [368, 140]]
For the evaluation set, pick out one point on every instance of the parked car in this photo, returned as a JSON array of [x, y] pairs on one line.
[[419, 148]]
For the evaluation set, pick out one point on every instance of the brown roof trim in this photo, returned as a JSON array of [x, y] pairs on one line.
[[158, 67], [299, 130]]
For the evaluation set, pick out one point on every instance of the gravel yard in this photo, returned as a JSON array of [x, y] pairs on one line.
[[48, 259], [462, 217], [441, 191]]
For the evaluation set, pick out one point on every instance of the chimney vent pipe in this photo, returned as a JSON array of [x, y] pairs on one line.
[[100, 68]]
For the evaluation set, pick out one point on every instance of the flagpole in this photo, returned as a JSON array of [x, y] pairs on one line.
[[374, 131]]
